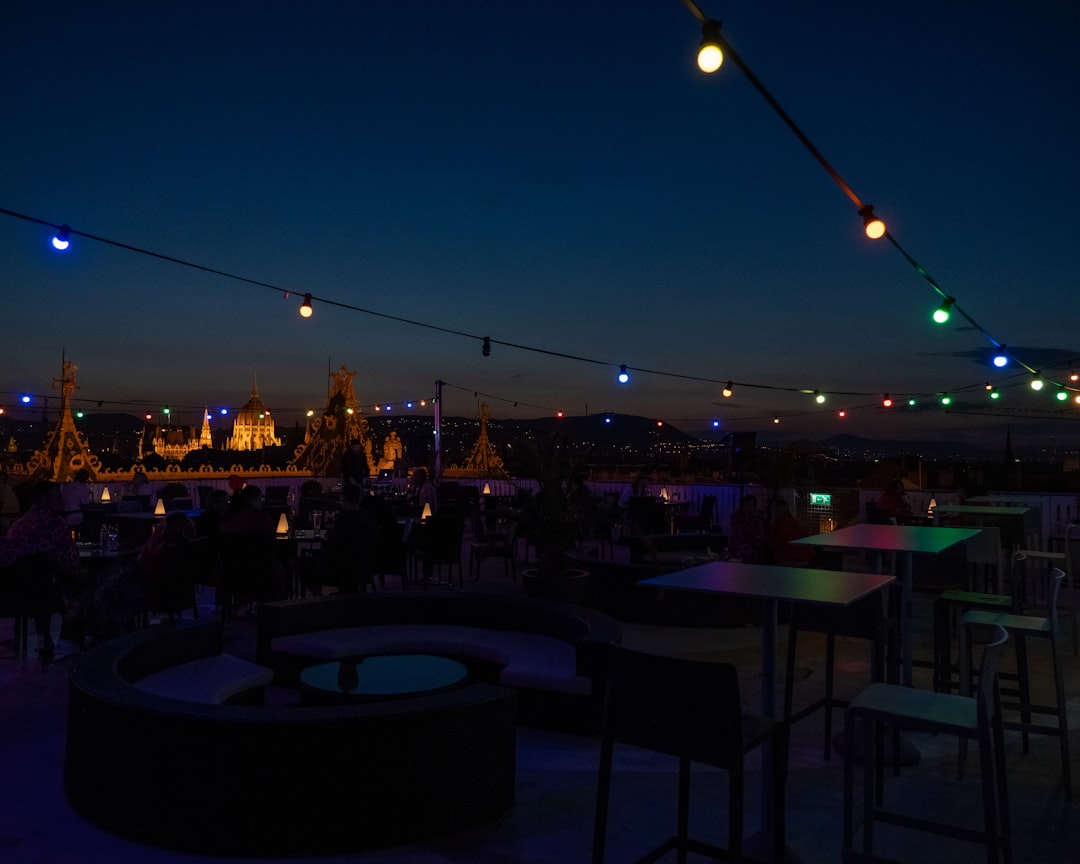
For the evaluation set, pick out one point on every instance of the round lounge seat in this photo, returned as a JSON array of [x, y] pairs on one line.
[[248, 780], [552, 654]]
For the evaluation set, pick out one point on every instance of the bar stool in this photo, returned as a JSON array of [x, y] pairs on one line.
[[908, 708], [867, 619], [1022, 628]]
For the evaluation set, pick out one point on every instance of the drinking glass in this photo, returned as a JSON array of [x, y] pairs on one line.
[[316, 520]]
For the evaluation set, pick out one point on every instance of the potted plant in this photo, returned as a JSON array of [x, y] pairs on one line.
[[551, 526]]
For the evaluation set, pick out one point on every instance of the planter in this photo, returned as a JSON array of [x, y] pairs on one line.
[[570, 588]]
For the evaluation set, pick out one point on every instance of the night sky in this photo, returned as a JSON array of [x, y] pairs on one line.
[[554, 175]]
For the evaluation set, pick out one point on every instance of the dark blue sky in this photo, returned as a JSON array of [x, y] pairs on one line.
[[551, 174]]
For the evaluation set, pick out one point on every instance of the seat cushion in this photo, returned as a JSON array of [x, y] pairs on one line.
[[210, 680], [339, 642], [531, 660]]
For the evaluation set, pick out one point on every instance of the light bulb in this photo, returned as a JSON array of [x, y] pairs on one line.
[[887, 401], [728, 390], [710, 57], [941, 314], [873, 225], [305, 307], [61, 241], [624, 376], [1001, 359], [819, 397], [1037, 382]]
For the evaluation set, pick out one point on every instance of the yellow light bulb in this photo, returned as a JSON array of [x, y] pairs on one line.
[[710, 58], [875, 229]]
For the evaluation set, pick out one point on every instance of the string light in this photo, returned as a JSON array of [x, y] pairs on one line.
[[819, 397], [710, 57], [728, 390], [1037, 382], [305, 307], [946, 399], [887, 401], [942, 313], [624, 376], [1001, 359], [61, 240], [873, 225], [1061, 395]]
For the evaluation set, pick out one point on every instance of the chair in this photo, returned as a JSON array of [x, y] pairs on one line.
[[867, 619], [247, 569], [876, 516], [498, 545], [701, 522], [1068, 559], [690, 709], [646, 516], [985, 548], [1022, 628], [976, 718], [25, 596], [437, 543], [182, 572]]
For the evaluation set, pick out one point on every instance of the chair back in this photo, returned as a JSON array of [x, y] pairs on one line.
[[442, 538], [699, 715], [988, 696]]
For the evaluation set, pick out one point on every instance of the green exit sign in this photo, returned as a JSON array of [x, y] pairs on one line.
[[821, 499]]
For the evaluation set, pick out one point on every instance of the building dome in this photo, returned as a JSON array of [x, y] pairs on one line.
[[253, 427]]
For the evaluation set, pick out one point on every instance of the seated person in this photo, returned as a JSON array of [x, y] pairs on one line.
[[208, 523], [42, 529], [244, 514], [748, 534], [785, 528], [893, 500], [350, 550], [159, 552]]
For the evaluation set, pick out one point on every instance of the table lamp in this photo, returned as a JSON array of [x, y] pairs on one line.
[[159, 508], [426, 514], [282, 524], [105, 496]]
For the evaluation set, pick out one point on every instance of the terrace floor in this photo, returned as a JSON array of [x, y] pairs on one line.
[[556, 775]]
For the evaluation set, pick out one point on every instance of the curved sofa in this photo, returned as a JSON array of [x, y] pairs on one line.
[[550, 653], [276, 780]]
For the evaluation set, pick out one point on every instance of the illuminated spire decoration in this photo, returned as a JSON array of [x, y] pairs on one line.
[[65, 451], [483, 460]]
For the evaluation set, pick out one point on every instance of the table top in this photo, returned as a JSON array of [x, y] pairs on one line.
[[385, 677], [773, 582], [891, 538], [982, 509]]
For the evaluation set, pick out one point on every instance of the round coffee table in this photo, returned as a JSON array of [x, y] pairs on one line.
[[388, 676]]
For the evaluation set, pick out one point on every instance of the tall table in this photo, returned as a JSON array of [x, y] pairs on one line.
[[772, 584], [905, 540]]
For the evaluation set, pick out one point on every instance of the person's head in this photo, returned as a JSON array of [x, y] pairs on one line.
[[46, 495], [350, 496], [178, 526]]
